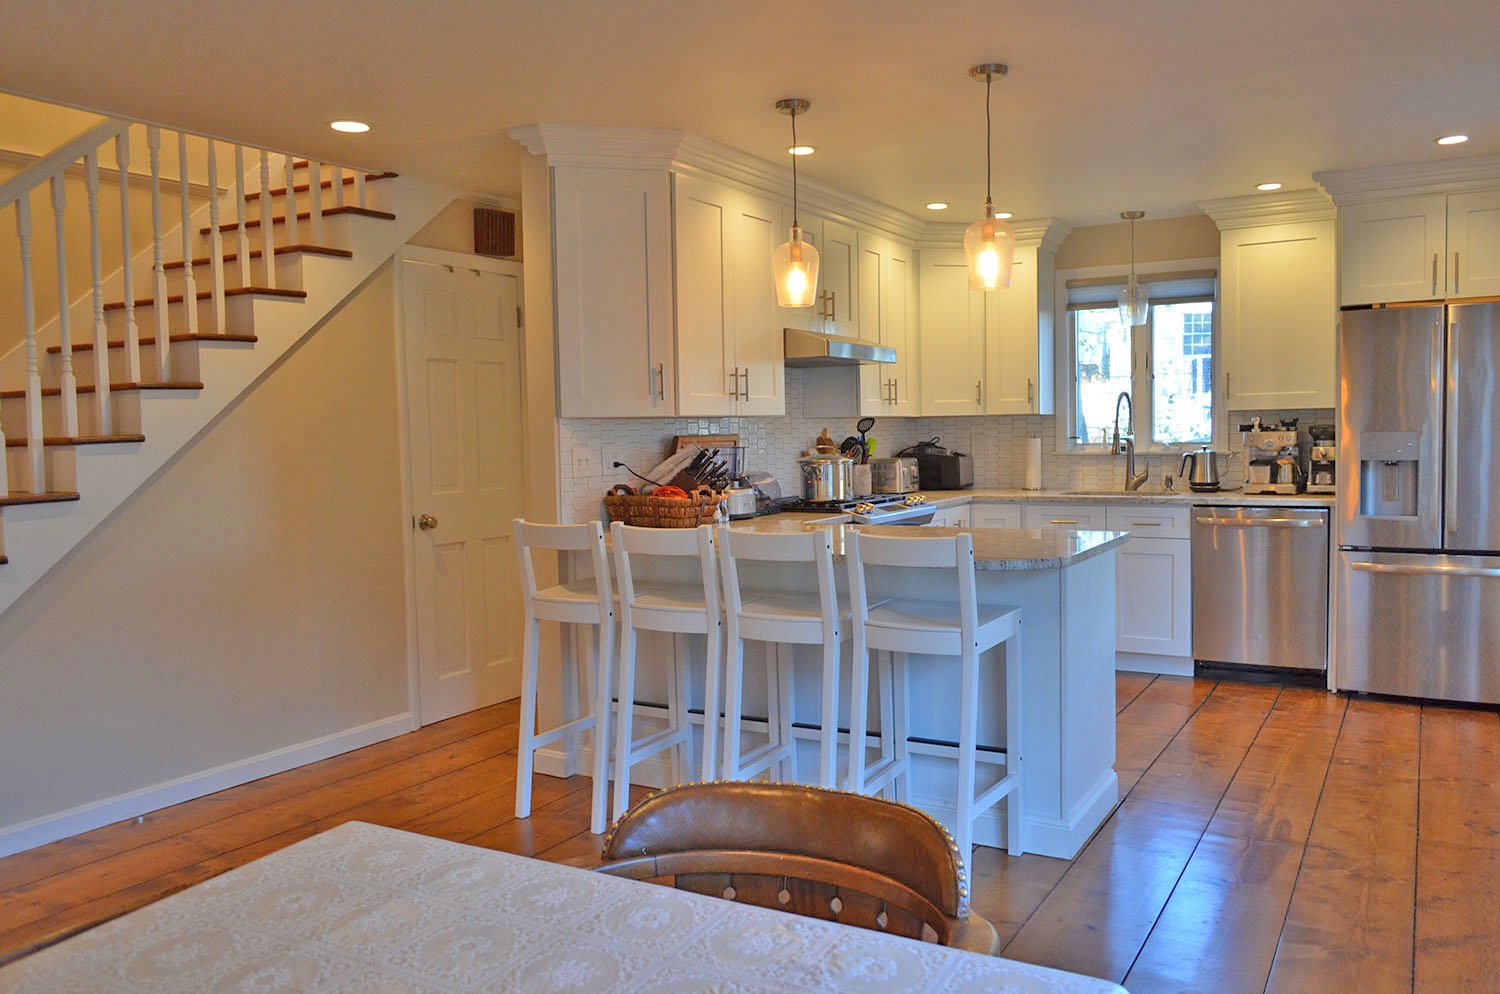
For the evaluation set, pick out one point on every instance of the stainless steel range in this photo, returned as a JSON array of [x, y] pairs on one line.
[[871, 509]]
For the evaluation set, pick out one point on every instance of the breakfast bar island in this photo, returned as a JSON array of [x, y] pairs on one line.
[[1063, 582]]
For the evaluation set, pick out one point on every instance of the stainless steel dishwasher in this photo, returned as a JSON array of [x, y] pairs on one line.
[[1260, 586]]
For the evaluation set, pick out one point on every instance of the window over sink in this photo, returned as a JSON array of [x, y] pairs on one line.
[[1167, 365]]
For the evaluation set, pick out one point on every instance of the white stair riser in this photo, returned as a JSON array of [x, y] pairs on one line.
[[335, 234], [60, 470], [238, 319], [288, 273], [125, 412], [184, 359], [377, 198]]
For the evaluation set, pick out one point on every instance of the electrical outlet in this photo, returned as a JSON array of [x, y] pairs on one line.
[[585, 463]]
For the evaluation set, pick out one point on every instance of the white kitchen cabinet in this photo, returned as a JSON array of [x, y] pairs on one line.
[[1086, 516], [1018, 337], [1421, 248], [838, 307], [729, 340], [612, 251], [953, 334], [1278, 316], [1153, 583], [995, 515], [886, 290], [951, 517]]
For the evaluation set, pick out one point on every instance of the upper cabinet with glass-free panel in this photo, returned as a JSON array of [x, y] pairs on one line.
[[1426, 247], [1019, 337]]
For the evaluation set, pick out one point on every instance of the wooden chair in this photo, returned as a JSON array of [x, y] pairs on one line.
[[860, 860]]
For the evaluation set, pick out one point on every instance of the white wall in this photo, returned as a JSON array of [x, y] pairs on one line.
[[249, 599]]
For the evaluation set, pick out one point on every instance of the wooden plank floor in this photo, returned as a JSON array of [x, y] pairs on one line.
[[1276, 840]]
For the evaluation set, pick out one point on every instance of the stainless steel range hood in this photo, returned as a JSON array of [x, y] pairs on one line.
[[808, 348]]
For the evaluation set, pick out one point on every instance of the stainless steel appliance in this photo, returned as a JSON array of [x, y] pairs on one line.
[[1273, 458], [872, 509], [893, 476], [1201, 469], [1418, 570], [1260, 586], [1322, 460], [825, 476], [809, 348], [740, 500]]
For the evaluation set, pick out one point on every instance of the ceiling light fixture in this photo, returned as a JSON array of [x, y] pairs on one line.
[[795, 262], [1452, 139], [937, 205], [349, 127], [801, 150], [1267, 187], [990, 242], [1004, 215], [1135, 299]]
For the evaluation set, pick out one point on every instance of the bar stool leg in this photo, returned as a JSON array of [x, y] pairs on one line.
[[900, 721], [1014, 760], [677, 711], [624, 719], [525, 752], [859, 717], [785, 732], [734, 691], [828, 741], [602, 670], [712, 650], [968, 724]]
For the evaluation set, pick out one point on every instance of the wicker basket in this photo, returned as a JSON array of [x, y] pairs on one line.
[[649, 511]]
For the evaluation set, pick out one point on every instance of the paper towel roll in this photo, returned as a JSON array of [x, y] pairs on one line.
[[1033, 463]]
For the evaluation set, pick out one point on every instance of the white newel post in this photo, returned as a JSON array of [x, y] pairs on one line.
[[242, 242], [215, 243], [158, 260], [189, 283], [132, 333], [315, 201], [36, 462], [289, 208], [69, 382], [101, 330], [267, 232]]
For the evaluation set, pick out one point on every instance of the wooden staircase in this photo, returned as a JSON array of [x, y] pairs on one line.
[[88, 418]]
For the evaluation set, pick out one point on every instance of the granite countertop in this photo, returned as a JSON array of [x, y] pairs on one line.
[[994, 548], [1222, 498]]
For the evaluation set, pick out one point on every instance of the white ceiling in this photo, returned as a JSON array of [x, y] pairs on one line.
[[1152, 104]]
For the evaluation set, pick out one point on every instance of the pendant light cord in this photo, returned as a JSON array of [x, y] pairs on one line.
[[794, 168], [989, 168]]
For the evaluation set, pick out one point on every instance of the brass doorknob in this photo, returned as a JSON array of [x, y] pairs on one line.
[[426, 522]]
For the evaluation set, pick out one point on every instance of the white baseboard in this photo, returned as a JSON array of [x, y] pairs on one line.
[[96, 814], [1142, 662]]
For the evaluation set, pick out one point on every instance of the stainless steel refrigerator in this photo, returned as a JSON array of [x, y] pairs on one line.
[[1418, 569]]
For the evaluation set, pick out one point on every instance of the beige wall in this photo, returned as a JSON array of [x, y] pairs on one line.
[[1194, 237], [453, 229], [250, 598]]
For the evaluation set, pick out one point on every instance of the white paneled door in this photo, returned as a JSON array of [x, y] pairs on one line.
[[461, 329]]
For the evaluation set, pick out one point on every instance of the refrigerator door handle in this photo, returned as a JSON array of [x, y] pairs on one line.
[[1414, 570], [1450, 432]]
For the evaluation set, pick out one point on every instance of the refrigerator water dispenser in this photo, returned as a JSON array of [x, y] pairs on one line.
[[1388, 473]]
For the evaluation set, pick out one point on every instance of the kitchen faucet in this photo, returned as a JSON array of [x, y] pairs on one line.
[[1126, 443]]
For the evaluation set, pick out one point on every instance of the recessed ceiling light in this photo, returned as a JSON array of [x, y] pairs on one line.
[[937, 205], [1267, 187], [1004, 215], [349, 127], [801, 150], [1452, 139]]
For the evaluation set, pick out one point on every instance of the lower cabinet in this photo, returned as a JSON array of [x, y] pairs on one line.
[[954, 517], [995, 515]]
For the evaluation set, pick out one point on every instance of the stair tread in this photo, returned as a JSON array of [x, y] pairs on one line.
[[21, 497], [237, 291], [304, 216], [77, 440], [120, 387], [327, 184], [119, 343], [303, 247]]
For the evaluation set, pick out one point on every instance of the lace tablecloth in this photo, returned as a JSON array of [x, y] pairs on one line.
[[377, 911]]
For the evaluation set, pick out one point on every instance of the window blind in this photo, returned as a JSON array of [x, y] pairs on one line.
[[1190, 287]]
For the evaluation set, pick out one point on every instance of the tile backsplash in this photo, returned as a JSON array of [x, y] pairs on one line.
[[589, 447]]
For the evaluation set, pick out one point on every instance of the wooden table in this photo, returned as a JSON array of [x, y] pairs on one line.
[[367, 909]]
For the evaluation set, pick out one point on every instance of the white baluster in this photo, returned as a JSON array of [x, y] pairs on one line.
[[36, 460], [290, 205], [69, 382], [189, 283], [101, 330], [267, 232], [315, 200], [158, 260], [338, 186], [359, 188], [132, 333], [242, 251], [215, 243]]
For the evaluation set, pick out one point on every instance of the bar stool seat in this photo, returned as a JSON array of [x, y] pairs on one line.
[[958, 625], [680, 609], [576, 601]]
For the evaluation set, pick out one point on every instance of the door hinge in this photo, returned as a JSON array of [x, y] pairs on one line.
[[520, 321]]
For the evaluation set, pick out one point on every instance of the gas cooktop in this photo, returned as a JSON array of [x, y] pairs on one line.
[[871, 509]]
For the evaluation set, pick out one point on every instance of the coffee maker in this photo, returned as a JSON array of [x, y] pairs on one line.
[[1320, 473], [1273, 458]]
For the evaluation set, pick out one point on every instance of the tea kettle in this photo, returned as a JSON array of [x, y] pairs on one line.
[[1204, 472]]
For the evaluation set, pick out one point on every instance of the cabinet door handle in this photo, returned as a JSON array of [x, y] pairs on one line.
[[895, 391], [1455, 274], [1030, 393], [833, 306], [978, 398], [734, 384], [1145, 524], [1434, 274], [1063, 521], [746, 375], [661, 382]]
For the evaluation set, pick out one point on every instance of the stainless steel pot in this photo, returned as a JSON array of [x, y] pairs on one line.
[[825, 476]]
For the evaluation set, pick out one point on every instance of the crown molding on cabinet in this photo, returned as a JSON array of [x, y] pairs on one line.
[[1256, 210], [1351, 186], [609, 148], [1043, 232]]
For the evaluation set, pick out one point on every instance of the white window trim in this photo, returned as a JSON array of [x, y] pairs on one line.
[[1063, 349]]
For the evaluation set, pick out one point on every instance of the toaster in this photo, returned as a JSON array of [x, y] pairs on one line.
[[893, 476], [940, 470]]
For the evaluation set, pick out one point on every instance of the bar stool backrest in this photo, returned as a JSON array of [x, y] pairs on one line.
[[916, 553], [562, 539], [679, 543], [813, 547]]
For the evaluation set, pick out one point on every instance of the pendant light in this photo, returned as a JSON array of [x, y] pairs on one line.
[[795, 262], [1135, 299], [990, 242]]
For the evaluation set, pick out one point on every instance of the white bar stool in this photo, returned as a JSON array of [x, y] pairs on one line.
[[681, 609], [956, 626], [780, 618], [584, 601]]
